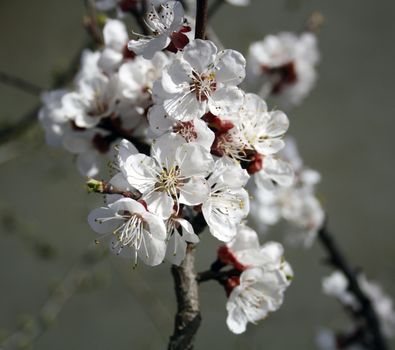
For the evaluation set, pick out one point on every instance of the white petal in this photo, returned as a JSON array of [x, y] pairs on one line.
[[184, 106], [158, 120], [105, 226], [164, 149], [226, 101], [176, 248], [156, 250], [176, 76], [200, 54], [193, 159], [195, 191], [115, 34], [156, 225], [188, 234], [230, 67], [140, 171], [160, 203], [128, 204], [278, 124], [148, 47]]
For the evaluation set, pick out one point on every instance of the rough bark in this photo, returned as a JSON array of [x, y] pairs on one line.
[[187, 319]]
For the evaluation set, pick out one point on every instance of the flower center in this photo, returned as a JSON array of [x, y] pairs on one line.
[[169, 180], [203, 85], [186, 130]]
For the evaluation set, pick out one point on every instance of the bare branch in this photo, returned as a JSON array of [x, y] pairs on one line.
[[20, 84], [188, 319], [338, 260], [21, 126], [201, 19]]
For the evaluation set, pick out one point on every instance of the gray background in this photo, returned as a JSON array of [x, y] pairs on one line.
[[344, 128]]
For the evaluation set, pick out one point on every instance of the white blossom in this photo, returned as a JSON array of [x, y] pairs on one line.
[[260, 291], [135, 231], [173, 175], [166, 26], [287, 64], [201, 79], [228, 202], [179, 233]]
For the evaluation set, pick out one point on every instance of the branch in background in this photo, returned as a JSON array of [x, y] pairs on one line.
[[79, 274], [188, 319], [91, 23], [215, 7], [367, 312], [17, 129], [139, 16], [20, 84], [201, 19]]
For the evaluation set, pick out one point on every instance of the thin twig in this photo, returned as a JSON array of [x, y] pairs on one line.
[[201, 19], [80, 272], [338, 260], [105, 187], [20, 84], [214, 8], [21, 126]]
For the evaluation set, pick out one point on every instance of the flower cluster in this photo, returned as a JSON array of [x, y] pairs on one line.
[[263, 276], [297, 204], [184, 143]]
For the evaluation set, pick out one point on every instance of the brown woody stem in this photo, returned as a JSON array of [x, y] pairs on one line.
[[187, 319]]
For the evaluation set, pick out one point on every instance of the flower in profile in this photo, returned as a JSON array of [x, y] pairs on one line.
[[179, 233], [168, 28], [201, 79], [135, 231]]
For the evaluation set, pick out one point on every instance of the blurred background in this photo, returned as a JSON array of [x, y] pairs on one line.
[[344, 130]]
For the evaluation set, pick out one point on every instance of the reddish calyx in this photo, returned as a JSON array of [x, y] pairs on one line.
[[227, 257], [283, 75], [127, 5], [255, 163], [178, 40], [128, 54], [231, 283], [102, 143], [219, 125], [143, 203]]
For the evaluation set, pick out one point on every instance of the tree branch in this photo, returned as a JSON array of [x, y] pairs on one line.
[[220, 276], [201, 19], [338, 260], [9, 132], [187, 319], [19, 83], [215, 7]]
